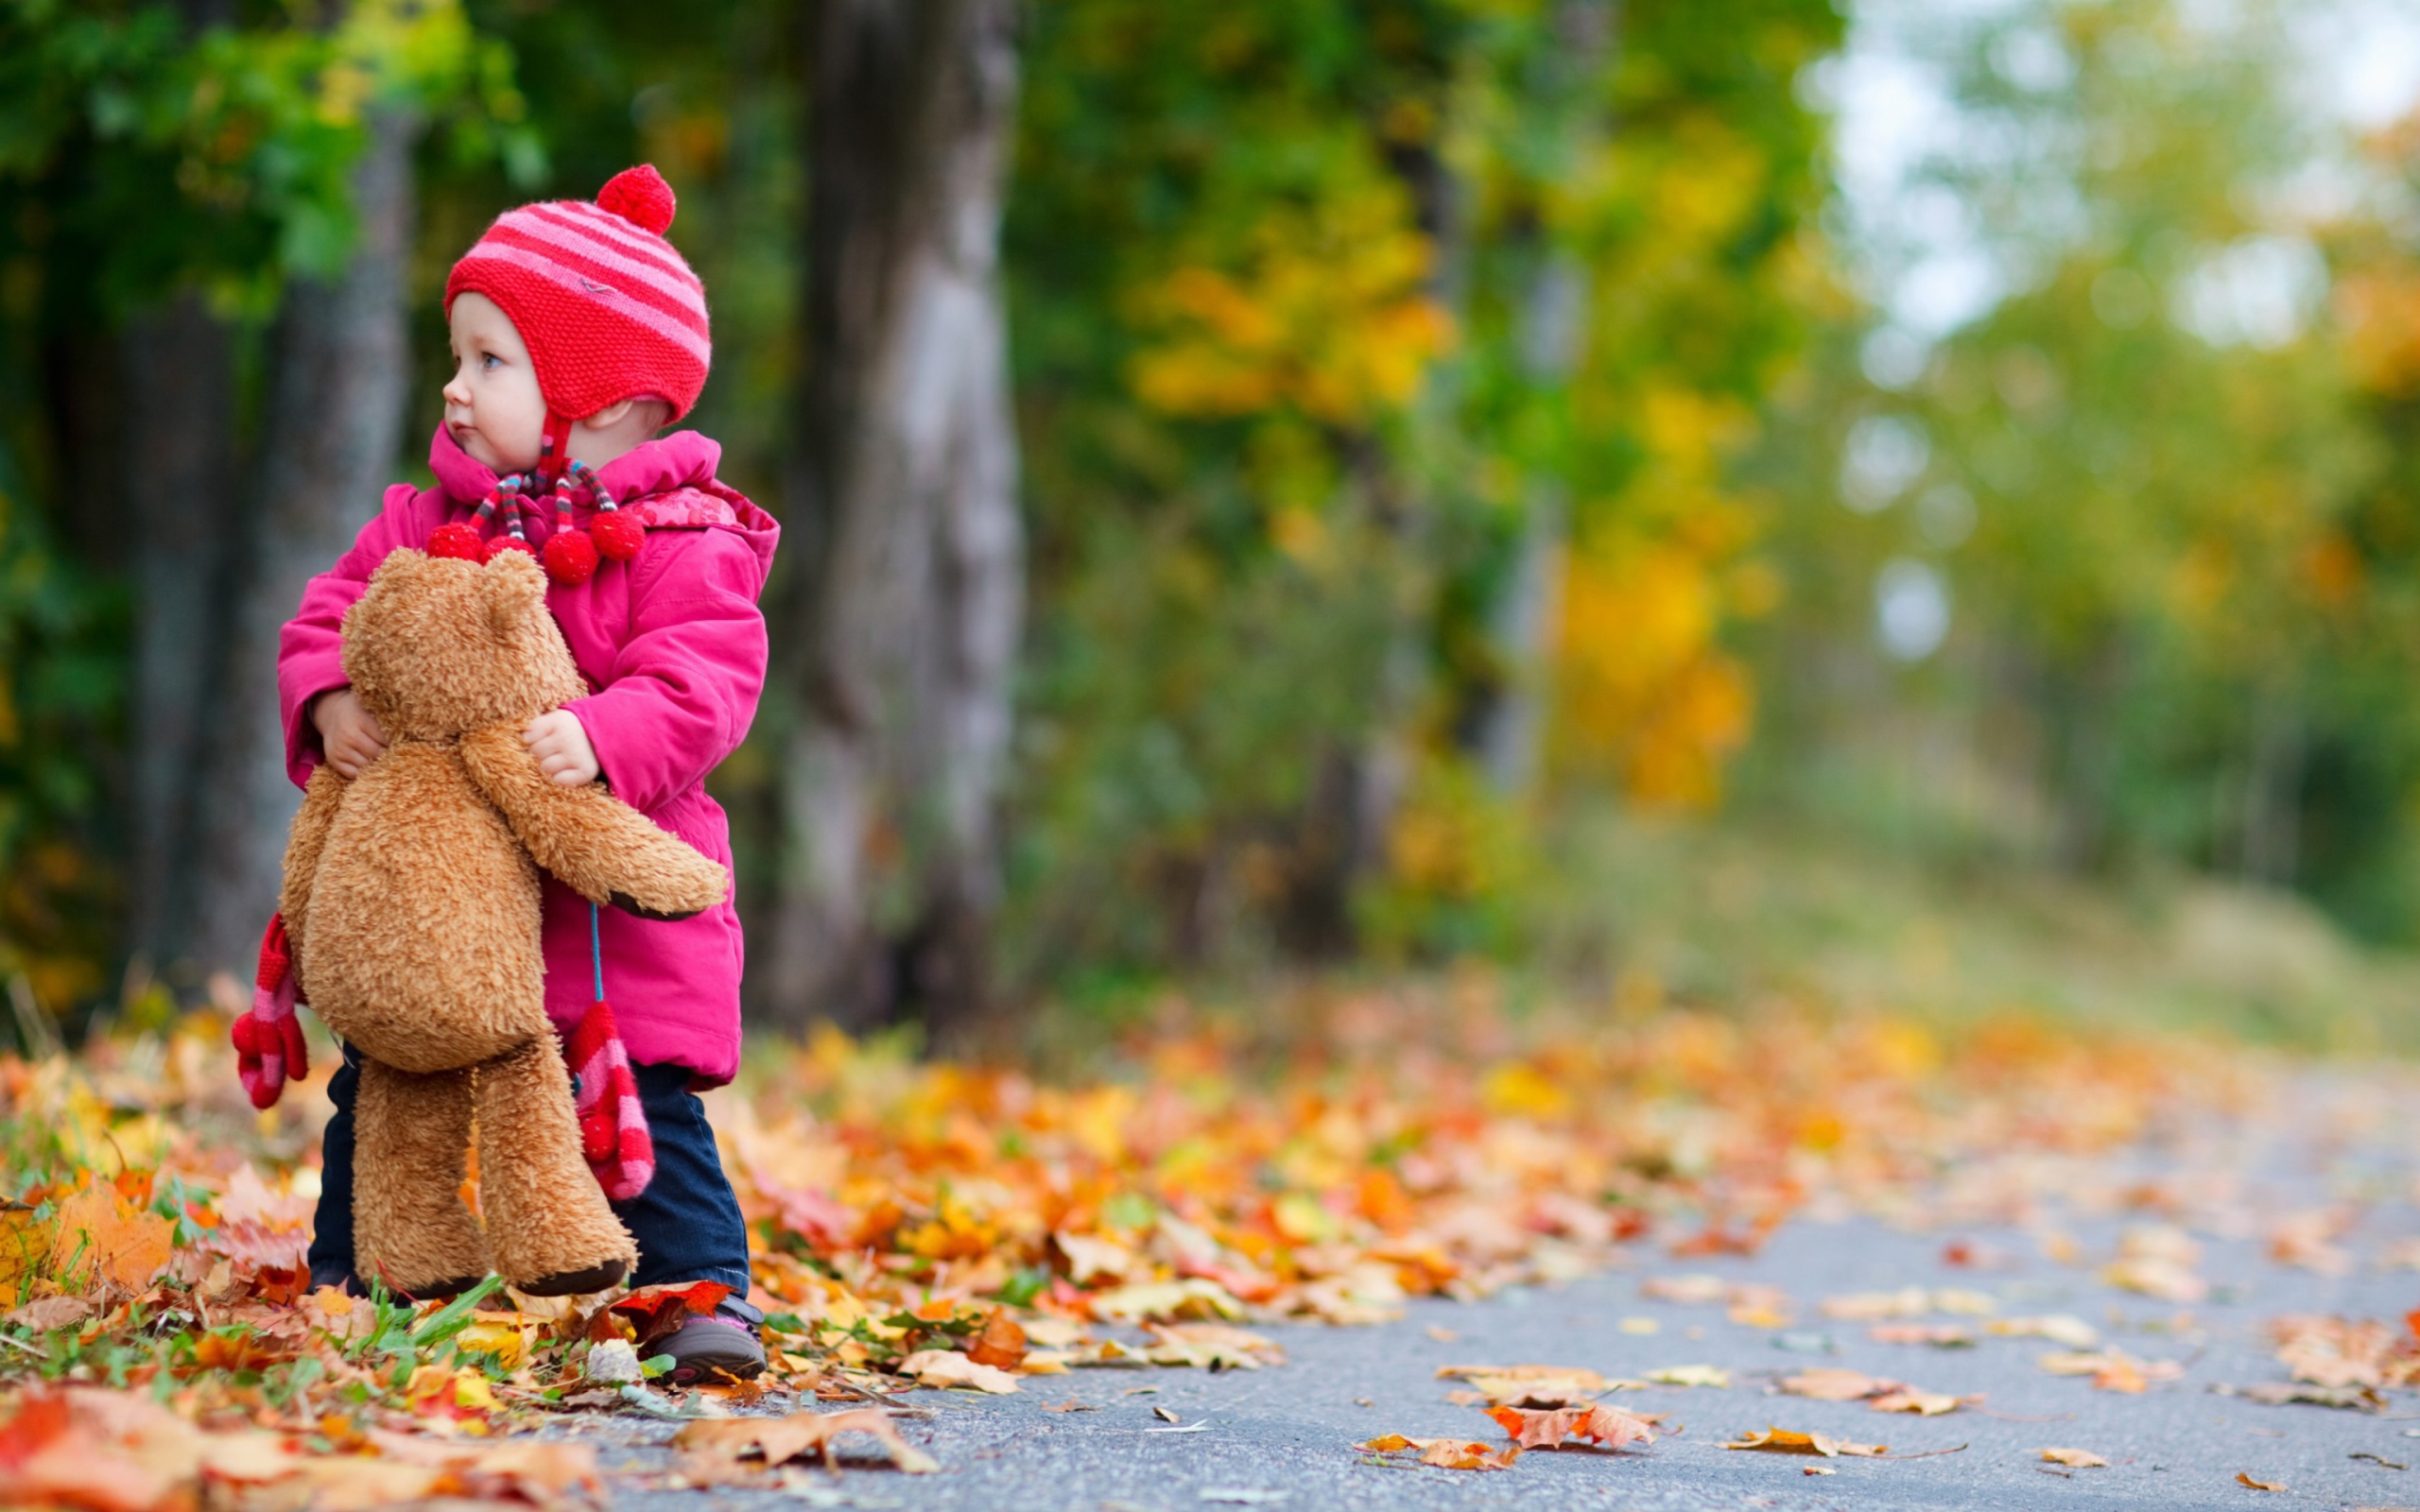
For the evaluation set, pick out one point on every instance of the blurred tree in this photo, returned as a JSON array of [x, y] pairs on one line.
[[906, 571], [166, 171], [2136, 476], [1406, 296]]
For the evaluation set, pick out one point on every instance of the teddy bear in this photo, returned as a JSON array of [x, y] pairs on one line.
[[410, 918]]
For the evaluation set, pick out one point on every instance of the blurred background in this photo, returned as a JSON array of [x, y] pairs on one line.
[[1899, 503]]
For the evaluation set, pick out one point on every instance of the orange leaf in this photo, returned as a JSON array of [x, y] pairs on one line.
[[1447, 1453], [103, 1235], [1609, 1426], [2259, 1485], [1001, 1343]]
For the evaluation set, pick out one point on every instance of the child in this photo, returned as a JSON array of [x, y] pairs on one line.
[[577, 334]]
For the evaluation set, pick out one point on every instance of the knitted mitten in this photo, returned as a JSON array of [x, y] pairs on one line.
[[268, 1038], [612, 1126]]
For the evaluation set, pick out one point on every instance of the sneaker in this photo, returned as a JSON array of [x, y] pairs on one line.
[[726, 1345]]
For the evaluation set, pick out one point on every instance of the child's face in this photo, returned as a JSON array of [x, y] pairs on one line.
[[492, 407]]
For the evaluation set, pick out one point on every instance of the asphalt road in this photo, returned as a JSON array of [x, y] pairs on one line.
[[1284, 1436]]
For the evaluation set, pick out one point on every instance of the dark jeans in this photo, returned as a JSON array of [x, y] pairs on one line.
[[686, 1222]]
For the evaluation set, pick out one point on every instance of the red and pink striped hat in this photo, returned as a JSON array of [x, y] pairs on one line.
[[607, 308]]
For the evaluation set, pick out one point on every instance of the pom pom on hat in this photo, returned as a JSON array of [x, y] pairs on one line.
[[641, 197]]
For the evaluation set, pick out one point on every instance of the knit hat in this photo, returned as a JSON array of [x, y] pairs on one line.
[[608, 309]]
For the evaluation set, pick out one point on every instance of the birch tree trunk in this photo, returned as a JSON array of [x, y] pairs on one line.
[[901, 618], [339, 390]]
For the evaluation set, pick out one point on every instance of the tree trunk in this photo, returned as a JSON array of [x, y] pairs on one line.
[[901, 625], [178, 364], [337, 398], [1554, 319]]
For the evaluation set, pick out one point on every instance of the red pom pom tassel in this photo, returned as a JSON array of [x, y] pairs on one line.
[[641, 197], [617, 535], [504, 544], [570, 557], [457, 540]]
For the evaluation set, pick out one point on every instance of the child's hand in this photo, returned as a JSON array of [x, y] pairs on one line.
[[561, 747], [347, 732]]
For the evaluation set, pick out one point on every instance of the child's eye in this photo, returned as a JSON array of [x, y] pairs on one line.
[[489, 362]]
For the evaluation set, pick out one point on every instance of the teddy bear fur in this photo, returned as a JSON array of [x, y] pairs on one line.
[[411, 898]]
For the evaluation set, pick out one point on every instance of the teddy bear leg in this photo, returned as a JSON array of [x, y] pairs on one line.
[[546, 1217], [411, 1228]]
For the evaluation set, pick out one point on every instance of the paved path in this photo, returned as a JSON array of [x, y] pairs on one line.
[[1290, 1430]]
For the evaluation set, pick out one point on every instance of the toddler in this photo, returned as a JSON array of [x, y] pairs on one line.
[[577, 334]]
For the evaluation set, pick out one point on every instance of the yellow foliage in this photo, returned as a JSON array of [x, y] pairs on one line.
[[1326, 314], [1645, 691], [2380, 309]]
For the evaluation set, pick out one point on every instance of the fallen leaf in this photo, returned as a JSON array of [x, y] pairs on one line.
[[1441, 1335], [951, 1367], [1867, 1307], [2081, 1459], [104, 1235], [1069, 1407], [1210, 1347], [1530, 1385], [2334, 1351], [1782, 1441], [1688, 1290], [1923, 1404], [1829, 1384], [24, 1242], [1001, 1343], [2113, 1369], [54, 1313], [779, 1440], [2378, 1459], [1939, 1335], [656, 1312], [2059, 1328], [1167, 1415], [1595, 1424], [1641, 1326], [1447, 1454], [1690, 1375], [2279, 1393], [2244, 1479]]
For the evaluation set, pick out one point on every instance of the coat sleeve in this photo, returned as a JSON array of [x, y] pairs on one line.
[[310, 649], [684, 685]]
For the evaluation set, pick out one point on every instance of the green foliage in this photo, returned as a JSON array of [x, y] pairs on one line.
[[139, 162]]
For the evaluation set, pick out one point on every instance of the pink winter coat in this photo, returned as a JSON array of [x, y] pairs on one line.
[[674, 647]]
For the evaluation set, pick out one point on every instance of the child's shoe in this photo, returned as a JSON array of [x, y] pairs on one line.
[[726, 1345]]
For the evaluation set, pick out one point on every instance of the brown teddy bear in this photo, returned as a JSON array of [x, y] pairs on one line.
[[412, 903]]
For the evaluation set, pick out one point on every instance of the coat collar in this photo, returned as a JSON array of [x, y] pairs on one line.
[[682, 459]]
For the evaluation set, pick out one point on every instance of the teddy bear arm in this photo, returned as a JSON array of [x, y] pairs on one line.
[[303, 842], [597, 845]]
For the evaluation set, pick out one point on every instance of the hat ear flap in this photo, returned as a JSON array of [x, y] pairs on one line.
[[517, 592]]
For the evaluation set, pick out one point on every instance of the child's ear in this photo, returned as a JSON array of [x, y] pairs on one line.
[[516, 591]]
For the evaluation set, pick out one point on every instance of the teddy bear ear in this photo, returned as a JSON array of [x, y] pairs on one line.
[[516, 592]]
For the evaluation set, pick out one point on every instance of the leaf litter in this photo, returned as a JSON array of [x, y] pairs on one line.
[[929, 1225]]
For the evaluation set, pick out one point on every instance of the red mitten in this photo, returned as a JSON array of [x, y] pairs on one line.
[[613, 1136], [268, 1039]]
